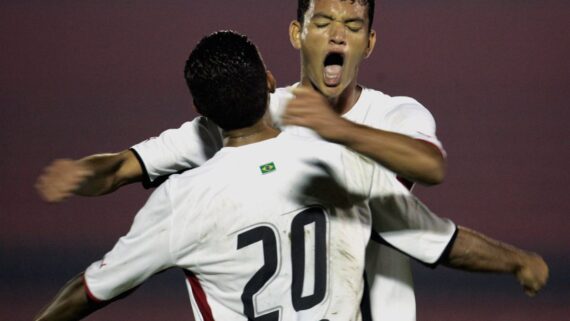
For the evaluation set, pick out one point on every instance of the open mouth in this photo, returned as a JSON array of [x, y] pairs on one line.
[[332, 71]]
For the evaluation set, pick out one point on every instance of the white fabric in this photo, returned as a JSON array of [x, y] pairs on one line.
[[389, 272], [179, 149], [391, 284], [194, 221], [403, 115], [195, 141]]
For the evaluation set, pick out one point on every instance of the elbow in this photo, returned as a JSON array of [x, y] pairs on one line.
[[434, 172], [430, 166], [437, 176]]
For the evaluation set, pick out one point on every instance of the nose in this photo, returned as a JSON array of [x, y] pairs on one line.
[[337, 34]]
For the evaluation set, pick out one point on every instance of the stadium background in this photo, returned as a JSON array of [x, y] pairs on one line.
[[79, 77]]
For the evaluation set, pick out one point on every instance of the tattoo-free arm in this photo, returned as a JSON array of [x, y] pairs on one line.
[[413, 159], [71, 303], [90, 176], [473, 251]]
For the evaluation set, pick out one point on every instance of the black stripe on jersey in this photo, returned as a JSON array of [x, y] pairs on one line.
[[147, 183], [444, 255], [365, 309]]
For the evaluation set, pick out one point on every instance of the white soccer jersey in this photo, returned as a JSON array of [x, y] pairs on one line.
[[196, 141], [261, 231], [403, 115], [389, 272]]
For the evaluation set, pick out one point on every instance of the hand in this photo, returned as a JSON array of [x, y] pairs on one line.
[[533, 274], [60, 179], [311, 109]]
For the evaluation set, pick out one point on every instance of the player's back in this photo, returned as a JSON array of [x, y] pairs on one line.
[[275, 229]]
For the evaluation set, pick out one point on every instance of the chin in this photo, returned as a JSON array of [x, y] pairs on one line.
[[329, 92], [333, 92]]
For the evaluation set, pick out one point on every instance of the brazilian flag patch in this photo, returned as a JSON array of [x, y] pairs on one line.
[[267, 168]]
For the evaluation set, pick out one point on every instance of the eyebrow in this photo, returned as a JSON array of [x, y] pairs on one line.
[[322, 15]]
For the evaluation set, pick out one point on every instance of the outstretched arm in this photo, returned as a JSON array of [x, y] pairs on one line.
[[473, 251], [90, 176], [410, 158], [71, 303]]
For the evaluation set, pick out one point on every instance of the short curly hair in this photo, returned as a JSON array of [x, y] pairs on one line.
[[227, 79]]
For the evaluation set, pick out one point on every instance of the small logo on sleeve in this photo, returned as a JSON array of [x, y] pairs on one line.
[[267, 168]]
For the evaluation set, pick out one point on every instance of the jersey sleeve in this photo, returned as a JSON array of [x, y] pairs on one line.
[[179, 149], [144, 251], [405, 223], [410, 118]]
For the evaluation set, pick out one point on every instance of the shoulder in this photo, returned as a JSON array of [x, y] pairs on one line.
[[393, 103], [398, 109], [301, 139]]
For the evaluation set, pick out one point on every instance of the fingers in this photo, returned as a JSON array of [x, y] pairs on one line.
[[534, 275], [60, 179], [306, 107]]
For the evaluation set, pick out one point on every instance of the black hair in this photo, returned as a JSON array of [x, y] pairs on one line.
[[303, 6], [227, 79]]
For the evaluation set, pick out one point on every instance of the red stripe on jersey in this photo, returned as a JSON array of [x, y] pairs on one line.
[[89, 293], [199, 296]]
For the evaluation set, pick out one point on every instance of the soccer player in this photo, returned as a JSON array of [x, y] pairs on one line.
[[261, 233], [334, 37]]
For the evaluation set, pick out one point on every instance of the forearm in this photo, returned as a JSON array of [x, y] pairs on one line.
[[410, 158], [473, 251], [109, 172], [71, 303]]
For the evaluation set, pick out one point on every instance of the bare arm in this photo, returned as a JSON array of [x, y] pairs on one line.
[[473, 251], [71, 303], [90, 176], [412, 159]]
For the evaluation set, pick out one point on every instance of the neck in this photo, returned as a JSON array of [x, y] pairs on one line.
[[258, 132], [347, 99], [343, 102]]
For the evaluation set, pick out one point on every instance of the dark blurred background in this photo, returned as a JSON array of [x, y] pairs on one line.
[[79, 77]]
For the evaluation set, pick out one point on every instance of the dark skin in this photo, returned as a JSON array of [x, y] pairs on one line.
[[475, 252], [71, 303], [332, 26], [412, 159]]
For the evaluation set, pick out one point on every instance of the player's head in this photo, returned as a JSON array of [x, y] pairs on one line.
[[228, 80], [333, 36]]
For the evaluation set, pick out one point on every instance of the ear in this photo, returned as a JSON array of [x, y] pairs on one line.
[[371, 44], [295, 29], [271, 82]]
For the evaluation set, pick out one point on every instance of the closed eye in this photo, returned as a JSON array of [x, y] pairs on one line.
[[354, 26], [321, 21]]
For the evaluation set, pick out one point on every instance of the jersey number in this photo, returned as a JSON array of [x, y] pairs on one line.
[[268, 237]]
